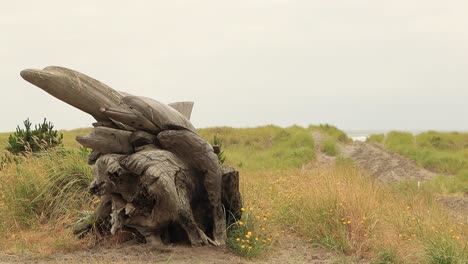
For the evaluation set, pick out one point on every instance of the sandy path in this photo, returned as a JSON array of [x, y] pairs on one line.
[[379, 162], [388, 166]]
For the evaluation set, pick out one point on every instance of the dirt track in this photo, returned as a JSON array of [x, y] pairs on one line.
[[375, 160], [388, 166]]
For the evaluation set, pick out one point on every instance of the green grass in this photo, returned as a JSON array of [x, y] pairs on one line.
[[328, 146], [376, 138], [267, 147], [51, 185], [339, 208], [444, 153], [331, 131]]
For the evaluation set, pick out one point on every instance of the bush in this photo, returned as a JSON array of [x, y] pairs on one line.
[[41, 138]]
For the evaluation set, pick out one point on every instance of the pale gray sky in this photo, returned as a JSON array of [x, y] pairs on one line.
[[376, 64]]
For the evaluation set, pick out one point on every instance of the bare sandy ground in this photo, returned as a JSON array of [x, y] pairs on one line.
[[289, 249]]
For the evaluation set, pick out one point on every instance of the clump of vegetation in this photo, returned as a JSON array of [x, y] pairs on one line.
[[332, 131], [218, 145], [375, 138], [44, 192], [328, 146], [251, 235], [42, 137]]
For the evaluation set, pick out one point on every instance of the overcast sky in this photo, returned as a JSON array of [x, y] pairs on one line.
[[376, 64]]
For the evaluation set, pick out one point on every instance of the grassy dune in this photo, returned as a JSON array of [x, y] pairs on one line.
[[445, 153], [338, 208], [268, 147]]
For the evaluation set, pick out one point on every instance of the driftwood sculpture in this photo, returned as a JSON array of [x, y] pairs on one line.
[[153, 172]]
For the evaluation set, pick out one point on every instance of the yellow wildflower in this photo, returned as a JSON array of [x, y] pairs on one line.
[[242, 209], [349, 222], [238, 239], [242, 246], [241, 223], [250, 247]]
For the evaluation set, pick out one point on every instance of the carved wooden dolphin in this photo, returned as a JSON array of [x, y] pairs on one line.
[[143, 113], [92, 96]]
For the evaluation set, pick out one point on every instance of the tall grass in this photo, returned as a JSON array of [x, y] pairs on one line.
[[42, 191], [346, 211], [338, 208]]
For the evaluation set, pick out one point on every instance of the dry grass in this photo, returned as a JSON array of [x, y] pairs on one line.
[[338, 208], [346, 211]]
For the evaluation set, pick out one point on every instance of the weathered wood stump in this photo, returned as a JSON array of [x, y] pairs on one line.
[[153, 172]]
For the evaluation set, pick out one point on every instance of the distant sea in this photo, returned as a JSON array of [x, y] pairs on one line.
[[361, 135]]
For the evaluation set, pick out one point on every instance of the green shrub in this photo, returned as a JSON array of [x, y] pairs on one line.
[[27, 140]]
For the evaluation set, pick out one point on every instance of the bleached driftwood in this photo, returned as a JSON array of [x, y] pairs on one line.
[[153, 172]]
